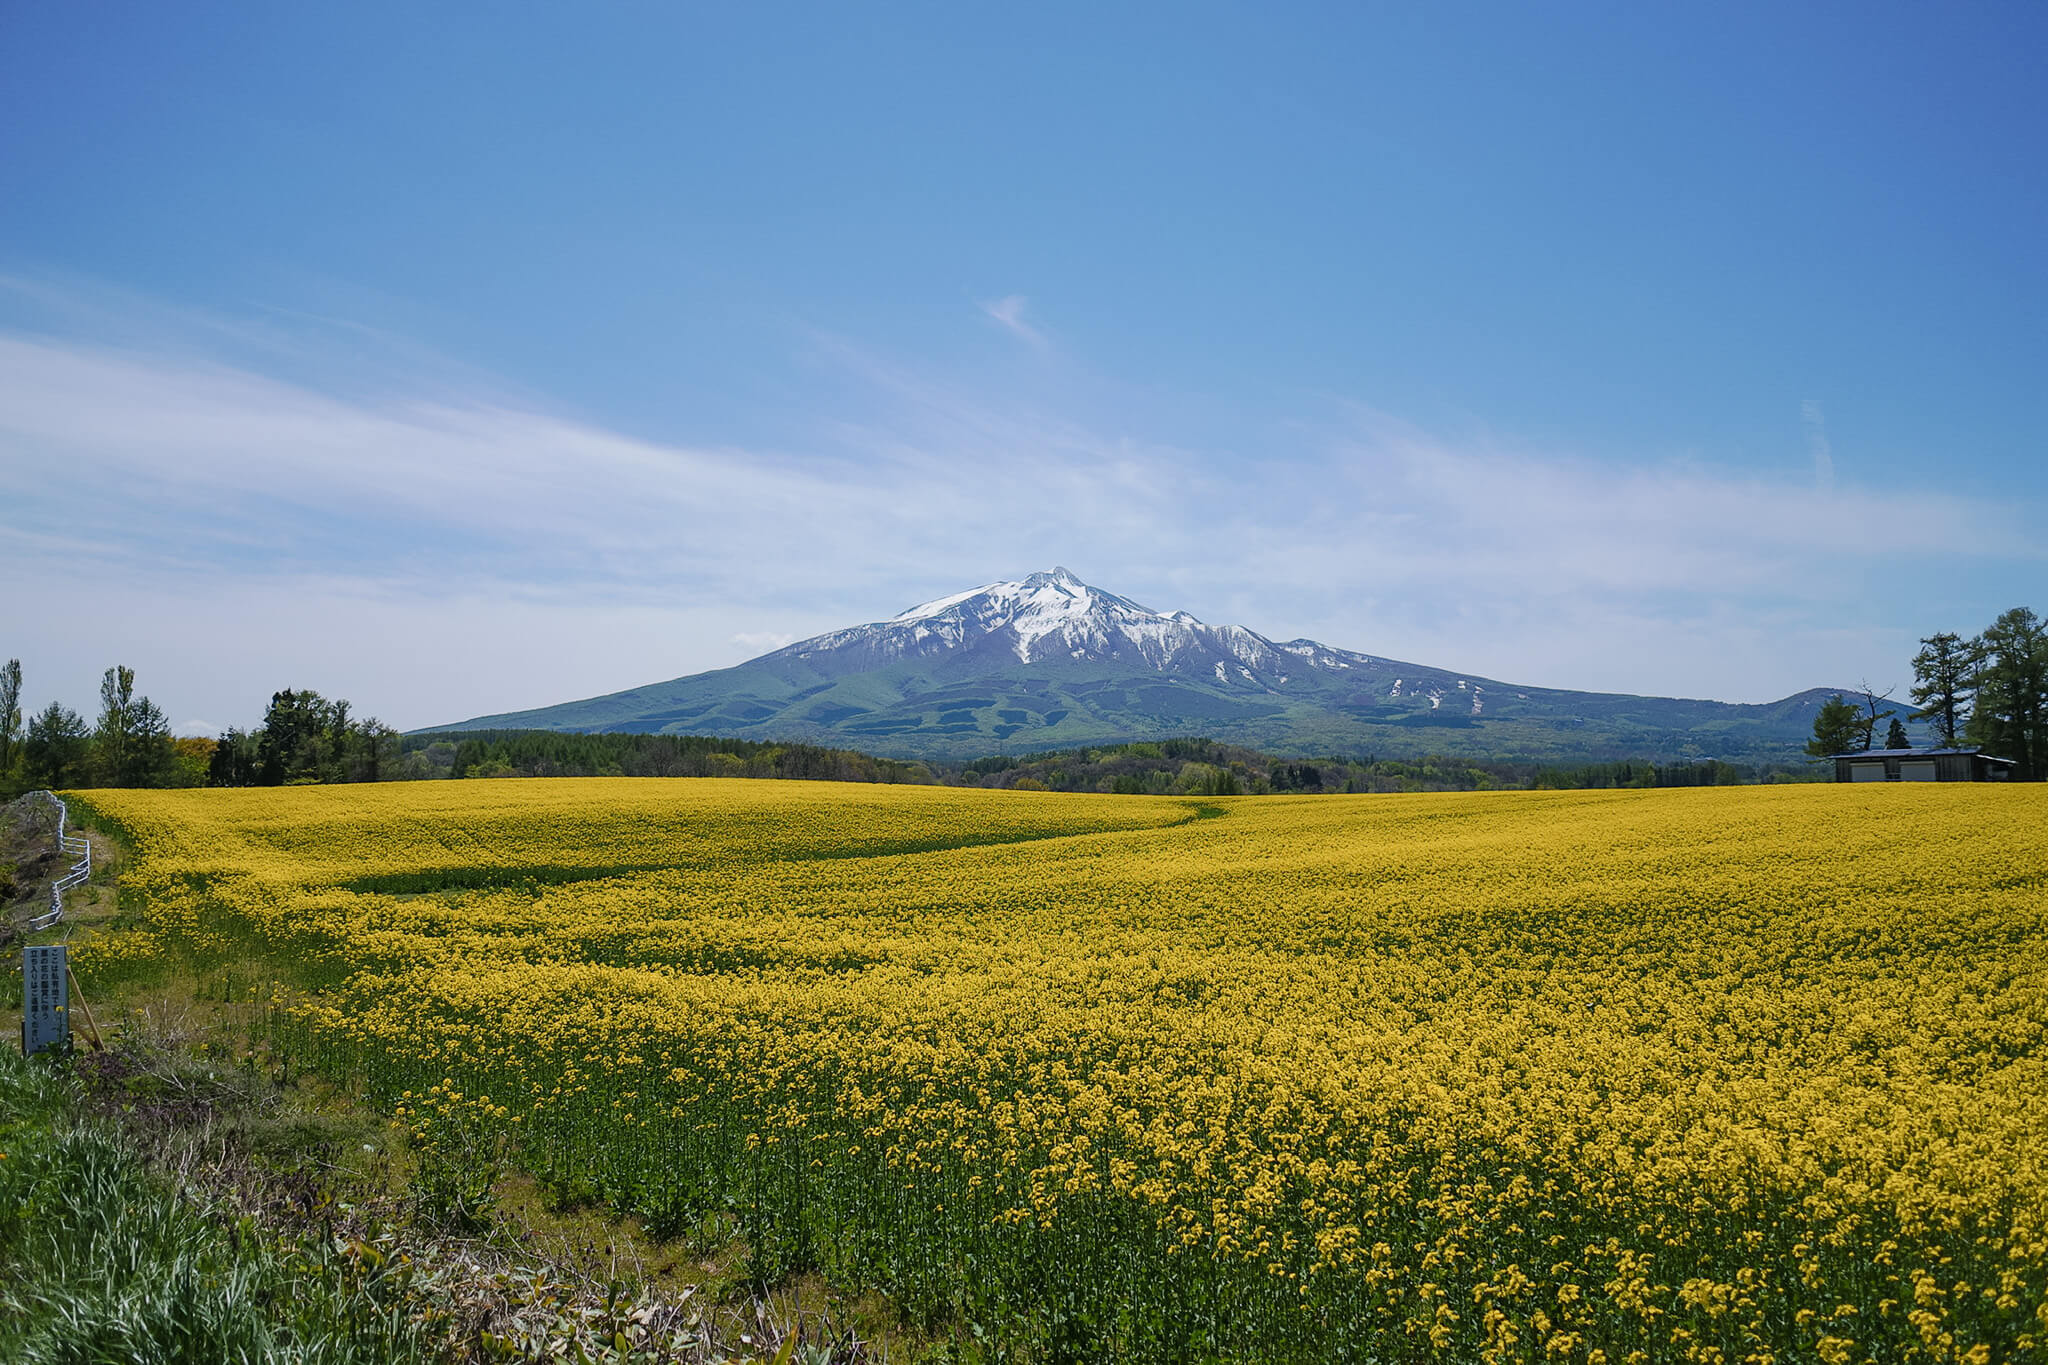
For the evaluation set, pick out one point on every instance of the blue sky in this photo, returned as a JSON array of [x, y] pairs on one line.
[[456, 359]]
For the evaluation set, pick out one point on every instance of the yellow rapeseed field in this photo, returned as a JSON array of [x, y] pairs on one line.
[[1735, 1075]]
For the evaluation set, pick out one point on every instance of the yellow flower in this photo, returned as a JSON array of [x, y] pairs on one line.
[[1617, 1069]]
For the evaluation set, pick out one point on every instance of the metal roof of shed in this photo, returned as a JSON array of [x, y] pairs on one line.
[[1923, 753]]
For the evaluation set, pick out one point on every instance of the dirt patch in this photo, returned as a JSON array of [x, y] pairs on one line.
[[28, 862], [300, 1169]]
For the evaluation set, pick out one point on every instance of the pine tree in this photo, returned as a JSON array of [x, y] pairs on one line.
[[235, 761], [294, 743], [1895, 738], [1942, 686], [1837, 729], [54, 751], [2010, 719], [147, 762]]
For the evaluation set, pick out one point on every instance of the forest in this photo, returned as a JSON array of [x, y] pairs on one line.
[[549, 753], [1204, 767], [1989, 690]]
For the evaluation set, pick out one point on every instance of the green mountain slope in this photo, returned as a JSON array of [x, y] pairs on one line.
[[906, 712], [1049, 662]]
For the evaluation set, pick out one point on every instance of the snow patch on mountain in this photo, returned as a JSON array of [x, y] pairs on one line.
[[1055, 615]]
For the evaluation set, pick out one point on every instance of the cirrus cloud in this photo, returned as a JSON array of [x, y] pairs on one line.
[[454, 552]]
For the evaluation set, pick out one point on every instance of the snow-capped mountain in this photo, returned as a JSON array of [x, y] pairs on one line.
[[1048, 661], [1055, 618]]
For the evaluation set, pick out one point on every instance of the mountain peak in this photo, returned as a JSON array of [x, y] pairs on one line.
[[1047, 659], [1053, 619], [1060, 590]]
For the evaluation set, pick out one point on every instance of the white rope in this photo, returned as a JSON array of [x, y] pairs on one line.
[[76, 845]]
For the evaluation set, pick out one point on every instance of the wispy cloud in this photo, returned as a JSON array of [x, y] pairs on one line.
[[1009, 311], [452, 552], [1816, 423]]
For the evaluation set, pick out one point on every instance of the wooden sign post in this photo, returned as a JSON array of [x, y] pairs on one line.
[[45, 1002]]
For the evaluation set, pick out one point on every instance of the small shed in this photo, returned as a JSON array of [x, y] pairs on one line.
[[1921, 765]]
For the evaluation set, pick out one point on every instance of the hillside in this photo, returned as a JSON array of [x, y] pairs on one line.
[[1173, 767], [1049, 661]]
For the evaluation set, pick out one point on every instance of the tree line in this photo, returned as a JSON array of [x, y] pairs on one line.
[[129, 745], [307, 738], [1206, 767], [1989, 691], [550, 753], [303, 738]]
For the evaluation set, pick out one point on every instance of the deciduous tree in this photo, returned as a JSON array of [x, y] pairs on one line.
[[10, 719], [131, 745], [110, 736], [1873, 716]]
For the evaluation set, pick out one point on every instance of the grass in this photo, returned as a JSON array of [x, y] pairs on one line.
[[105, 1261], [169, 1201], [179, 1197]]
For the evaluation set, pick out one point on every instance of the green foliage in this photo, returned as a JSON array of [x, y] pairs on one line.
[[235, 761], [1204, 779], [190, 760], [915, 709], [110, 738], [1837, 729], [548, 753], [160, 1206], [2010, 718], [10, 725], [1704, 772], [99, 1261], [1204, 767], [1944, 673], [304, 738], [458, 1165], [131, 746], [1991, 691], [56, 750]]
